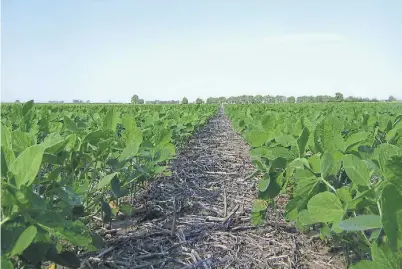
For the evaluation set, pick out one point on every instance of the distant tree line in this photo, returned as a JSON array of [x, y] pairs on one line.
[[267, 99]]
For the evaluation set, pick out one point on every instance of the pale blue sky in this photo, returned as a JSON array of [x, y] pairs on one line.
[[112, 49]]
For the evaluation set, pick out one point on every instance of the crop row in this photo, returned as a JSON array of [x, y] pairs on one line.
[[341, 167], [62, 165]]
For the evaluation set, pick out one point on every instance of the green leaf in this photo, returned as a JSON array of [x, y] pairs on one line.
[[344, 194], [257, 138], [111, 119], [315, 163], [27, 107], [24, 240], [6, 140], [21, 141], [259, 205], [383, 153], [263, 183], [391, 204], [6, 263], [384, 257], [356, 170], [356, 138], [106, 180], [129, 152], [163, 137], [7, 157], [26, 166], [305, 218], [71, 125], [99, 135], [394, 165], [327, 135], [302, 141], [325, 207], [326, 164], [307, 185], [285, 140], [278, 152], [362, 222]]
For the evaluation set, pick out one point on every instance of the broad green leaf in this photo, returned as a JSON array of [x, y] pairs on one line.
[[268, 121], [383, 153], [110, 120], [106, 180], [53, 143], [325, 207], [356, 170], [391, 205], [285, 140], [277, 165], [307, 185], [327, 135], [305, 218], [7, 157], [326, 164], [6, 140], [302, 141], [27, 107], [258, 138], [354, 139], [71, 125], [21, 141], [344, 194], [384, 257], [129, 152], [275, 187], [259, 205], [26, 166], [278, 152], [6, 263], [362, 222], [99, 135], [315, 163], [395, 166], [24, 240], [263, 183], [163, 137]]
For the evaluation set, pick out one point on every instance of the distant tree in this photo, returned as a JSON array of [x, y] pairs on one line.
[[199, 101], [291, 99], [222, 99], [88, 101], [258, 99], [134, 99], [280, 99], [338, 97], [17, 101], [184, 101], [391, 99], [141, 101], [268, 99]]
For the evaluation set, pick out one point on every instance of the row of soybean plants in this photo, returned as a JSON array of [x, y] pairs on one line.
[[63, 164], [340, 164]]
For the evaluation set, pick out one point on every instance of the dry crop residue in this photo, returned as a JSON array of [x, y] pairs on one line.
[[200, 216]]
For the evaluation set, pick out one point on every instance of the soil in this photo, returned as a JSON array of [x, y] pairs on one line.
[[199, 217]]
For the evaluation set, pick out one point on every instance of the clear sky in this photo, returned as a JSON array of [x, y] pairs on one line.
[[111, 49]]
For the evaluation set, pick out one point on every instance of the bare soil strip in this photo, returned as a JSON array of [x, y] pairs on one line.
[[200, 216]]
